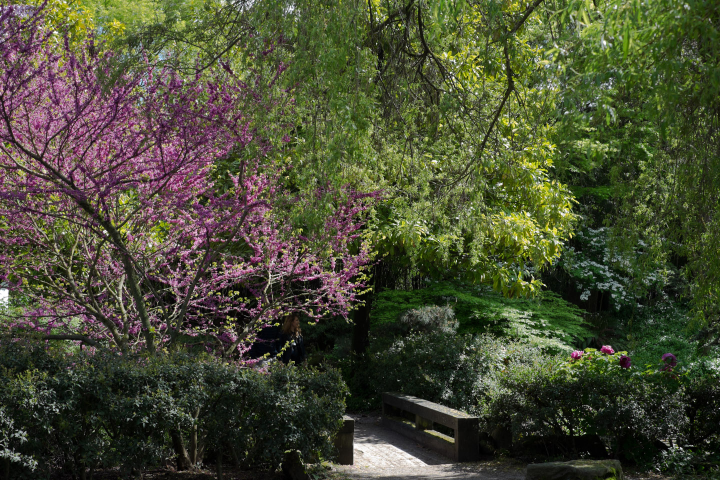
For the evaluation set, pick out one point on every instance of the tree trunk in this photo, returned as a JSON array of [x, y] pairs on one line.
[[182, 457], [194, 440], [201, 444], [218, 465], [361, 329], [233, 454]]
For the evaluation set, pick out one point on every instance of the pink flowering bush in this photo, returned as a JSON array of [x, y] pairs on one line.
[[604, 360], [119, 230]]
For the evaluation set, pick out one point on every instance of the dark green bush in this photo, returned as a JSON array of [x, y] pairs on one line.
[[697, 450], [456, 371], [554, 398], [91, 410], [10, 438], [702, 390]]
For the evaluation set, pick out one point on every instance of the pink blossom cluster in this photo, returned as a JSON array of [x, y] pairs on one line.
[[624, 360], [113, 225], [607, 350], [669, 362]]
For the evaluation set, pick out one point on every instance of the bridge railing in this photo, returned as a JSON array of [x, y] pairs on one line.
[[450, 432]]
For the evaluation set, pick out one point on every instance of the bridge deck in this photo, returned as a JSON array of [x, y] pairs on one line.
[[381, 453]]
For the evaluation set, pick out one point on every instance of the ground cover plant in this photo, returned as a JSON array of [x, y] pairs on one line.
[[547, 320]]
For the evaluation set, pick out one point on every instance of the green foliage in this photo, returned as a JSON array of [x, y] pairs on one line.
[[68, 17], [658, 329], [689, 462], [390, 98], [624, 273], [547, 321], [640, 117], [10, 438], [454, 370], [702, 386], [95, 410], [594, 397], [121, 14], [430, 319]]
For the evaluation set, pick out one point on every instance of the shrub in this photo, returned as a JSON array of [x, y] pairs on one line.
[[431, 318], [89, 410], [591, 402], [595, 394], [702, 390], [515, 387], [10, 438], [454, 370]]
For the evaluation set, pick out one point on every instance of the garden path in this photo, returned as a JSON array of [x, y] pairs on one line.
[[381, 453]]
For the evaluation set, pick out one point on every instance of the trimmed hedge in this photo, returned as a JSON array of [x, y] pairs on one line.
[[90, 410]]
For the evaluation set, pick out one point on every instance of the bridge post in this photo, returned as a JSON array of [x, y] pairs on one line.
[[344, 441], [467, 439]]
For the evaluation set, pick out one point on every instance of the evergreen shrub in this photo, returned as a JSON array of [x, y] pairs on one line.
[[88, 410], [702, 391], [596, 394], [454, 370]]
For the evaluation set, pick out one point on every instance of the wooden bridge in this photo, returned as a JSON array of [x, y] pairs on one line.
[[403, 444], [415, 439]]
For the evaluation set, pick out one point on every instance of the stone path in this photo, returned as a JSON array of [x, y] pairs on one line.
[[383, 454]]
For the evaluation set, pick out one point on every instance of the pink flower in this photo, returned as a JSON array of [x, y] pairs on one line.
[[672, 359], [577, 354], [625, 361], [607, 349]]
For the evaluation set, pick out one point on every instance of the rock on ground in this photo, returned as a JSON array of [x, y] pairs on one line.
[[575, 470]]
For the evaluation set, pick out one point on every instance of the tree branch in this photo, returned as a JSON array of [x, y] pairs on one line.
[[80, 338], [498, 111], [524, 17]]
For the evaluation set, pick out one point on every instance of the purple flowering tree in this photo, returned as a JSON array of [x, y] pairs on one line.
[[112, 223]]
